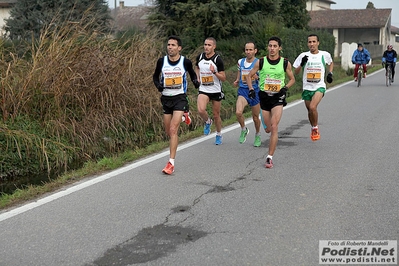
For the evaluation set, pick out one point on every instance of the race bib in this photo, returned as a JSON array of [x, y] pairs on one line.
[[207, 80], [313, 75], [272, 85], [244, 74], [174, 82], [244, 79]]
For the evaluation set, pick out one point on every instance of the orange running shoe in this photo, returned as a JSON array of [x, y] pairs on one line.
[[315, 135], [169, 169], [186, 118]]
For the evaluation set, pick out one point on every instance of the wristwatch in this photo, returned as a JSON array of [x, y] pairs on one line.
[[214, 72]]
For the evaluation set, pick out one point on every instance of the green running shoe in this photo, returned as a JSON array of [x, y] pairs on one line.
[[257, 141], [243, 136]]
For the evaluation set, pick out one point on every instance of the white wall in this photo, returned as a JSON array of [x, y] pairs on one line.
[[317, 5], [4, 14], [393, 42], [346, 55]]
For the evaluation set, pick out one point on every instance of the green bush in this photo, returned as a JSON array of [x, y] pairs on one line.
[[26, 150]]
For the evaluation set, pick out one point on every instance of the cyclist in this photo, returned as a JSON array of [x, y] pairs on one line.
[[360, 57], [389, 56]]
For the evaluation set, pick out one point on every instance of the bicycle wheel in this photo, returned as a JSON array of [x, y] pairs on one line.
[[390, 76], [359, 78]]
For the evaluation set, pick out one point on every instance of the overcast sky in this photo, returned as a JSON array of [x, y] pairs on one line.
[[340, 4], [127, 3]]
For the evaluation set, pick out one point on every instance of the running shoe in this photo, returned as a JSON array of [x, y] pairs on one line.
[[169, 169], [269, 163], [355, 79], [207, 128], [315, 135], [186, 118], [218, 140], [243, 136], [257, 141]]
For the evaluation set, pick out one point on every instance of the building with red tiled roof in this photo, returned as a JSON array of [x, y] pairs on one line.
[[7, 3], [350, 18], [369, 26], [126, 17]]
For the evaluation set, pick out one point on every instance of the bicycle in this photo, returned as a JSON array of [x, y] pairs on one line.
[[388, 74], [359, 75]]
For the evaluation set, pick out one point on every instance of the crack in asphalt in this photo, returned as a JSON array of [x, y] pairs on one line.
[[154, 242]]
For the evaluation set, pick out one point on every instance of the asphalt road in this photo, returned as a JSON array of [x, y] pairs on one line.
[[221, 206]]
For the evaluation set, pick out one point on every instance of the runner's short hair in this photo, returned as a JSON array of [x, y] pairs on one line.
[[275, 38], [177, 38]]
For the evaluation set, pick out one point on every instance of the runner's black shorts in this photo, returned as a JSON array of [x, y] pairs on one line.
[[218, 96], [174, 103], [267, 102]]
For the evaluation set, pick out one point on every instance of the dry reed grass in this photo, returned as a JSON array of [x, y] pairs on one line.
[[93, 95]]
